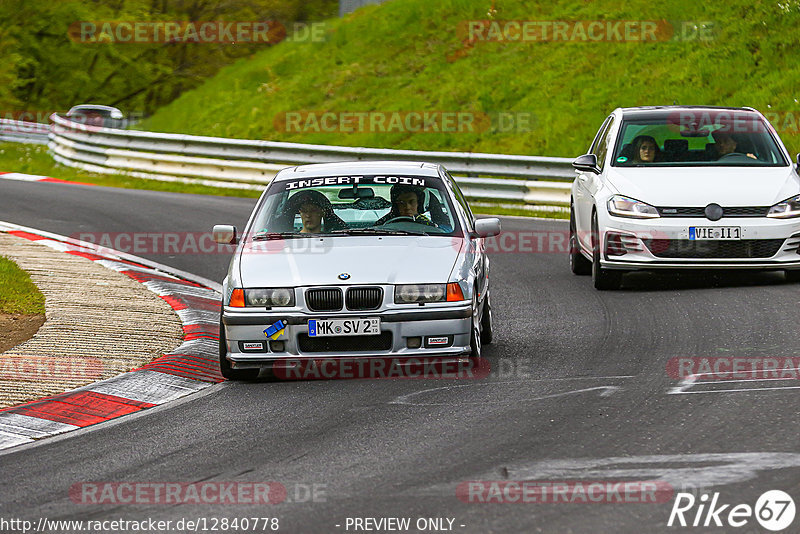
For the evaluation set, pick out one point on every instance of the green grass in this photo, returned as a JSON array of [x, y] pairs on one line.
[[519, 212], [18, 293], [34, 159], [407, 55]]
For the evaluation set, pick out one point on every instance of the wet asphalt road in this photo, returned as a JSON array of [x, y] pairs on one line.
[[579, 391]]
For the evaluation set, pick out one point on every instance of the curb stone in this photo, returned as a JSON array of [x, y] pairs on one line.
[[191, 367]]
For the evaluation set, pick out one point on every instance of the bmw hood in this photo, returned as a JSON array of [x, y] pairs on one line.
[[701, 186], [359, 259]]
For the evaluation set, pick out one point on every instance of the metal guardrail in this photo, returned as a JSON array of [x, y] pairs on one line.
[[24, 132], [250, 164], [348, 6]]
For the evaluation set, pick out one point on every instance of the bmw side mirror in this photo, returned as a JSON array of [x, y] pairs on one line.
[[798, 162], [487, 227], [586, 163], [224, 234]]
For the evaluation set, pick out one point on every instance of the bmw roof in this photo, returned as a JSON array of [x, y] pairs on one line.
[[415, 168]]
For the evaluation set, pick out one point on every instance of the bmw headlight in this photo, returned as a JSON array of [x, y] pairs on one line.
[[623, 206], [277, 297], [412, 293], [420, 293], [785, 210]]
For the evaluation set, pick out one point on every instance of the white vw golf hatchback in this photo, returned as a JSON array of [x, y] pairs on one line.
[[684, 188]]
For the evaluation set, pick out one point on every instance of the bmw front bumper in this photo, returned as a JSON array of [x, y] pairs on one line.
[[449, 326]]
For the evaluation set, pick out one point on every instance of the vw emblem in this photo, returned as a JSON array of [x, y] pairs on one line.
[[713, 212], [344, 276]]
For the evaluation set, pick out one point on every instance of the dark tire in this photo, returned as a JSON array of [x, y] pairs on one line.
[[603, 279], [486, 322], [792, 276], [578, 264], [475, 345], [225, 366]]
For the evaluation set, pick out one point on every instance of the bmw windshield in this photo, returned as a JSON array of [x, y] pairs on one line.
[[697, 139], [355, 205]]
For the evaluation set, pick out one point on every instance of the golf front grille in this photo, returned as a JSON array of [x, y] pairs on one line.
[[731, 211], [713, 249]]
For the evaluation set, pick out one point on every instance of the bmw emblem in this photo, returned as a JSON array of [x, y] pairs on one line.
[[344, 276]]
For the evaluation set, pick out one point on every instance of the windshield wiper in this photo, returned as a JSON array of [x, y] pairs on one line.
[[267, 236], [376, 231]]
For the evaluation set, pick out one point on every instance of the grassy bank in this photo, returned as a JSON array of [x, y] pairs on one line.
[[18, 294], [416, 55]]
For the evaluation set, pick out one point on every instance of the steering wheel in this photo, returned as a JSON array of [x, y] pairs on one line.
[[399, 218], [733, 154]]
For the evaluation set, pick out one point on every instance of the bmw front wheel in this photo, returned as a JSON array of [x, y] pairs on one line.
[[225, 366]]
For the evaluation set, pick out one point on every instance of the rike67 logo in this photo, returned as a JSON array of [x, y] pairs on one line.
[[774, 510]]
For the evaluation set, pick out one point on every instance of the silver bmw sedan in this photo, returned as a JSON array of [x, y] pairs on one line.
[[356, 260]]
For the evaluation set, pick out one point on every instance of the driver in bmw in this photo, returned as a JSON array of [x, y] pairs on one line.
[[406, 202]]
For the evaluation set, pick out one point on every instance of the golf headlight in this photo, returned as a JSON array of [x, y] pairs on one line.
[[278, 297], [622, 206], [785, 210], [412, 293]]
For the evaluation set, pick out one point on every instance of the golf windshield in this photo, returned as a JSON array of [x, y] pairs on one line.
[[688, 139]]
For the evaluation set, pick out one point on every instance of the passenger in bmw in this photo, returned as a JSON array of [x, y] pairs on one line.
[[314, 209], [311, 215]]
